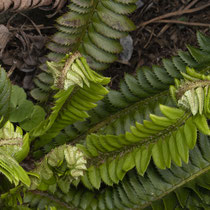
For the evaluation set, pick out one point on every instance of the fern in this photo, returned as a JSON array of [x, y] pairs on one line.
[[5, 94], [177, 187], [163, 138], [138, 148], [59, 169], [138, 97], [75, 81], [194, 94], [93, 28]]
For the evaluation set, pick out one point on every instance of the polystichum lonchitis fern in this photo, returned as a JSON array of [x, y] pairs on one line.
[[138, 96], [93, 28], [141, 147], [174, 188]]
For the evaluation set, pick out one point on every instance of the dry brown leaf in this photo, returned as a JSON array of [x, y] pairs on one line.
[[4, 37], [18, 5]]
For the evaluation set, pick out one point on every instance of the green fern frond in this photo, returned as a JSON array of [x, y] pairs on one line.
[[91, 27], [82, 29], [11, 169], [163, 138], [14, 147], [13, 141], [80, 88], [43, 201], [136, 99], [193, 93], [61, 167], [5, 94], [177, 187]]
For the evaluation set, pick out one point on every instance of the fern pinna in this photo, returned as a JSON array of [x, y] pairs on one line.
[[134, 150], [91, 27]]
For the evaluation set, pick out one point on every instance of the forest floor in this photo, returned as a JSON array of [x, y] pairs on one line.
[[159, 34]]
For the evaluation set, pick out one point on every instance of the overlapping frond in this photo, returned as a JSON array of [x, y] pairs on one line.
[[93, 28], [163, 138], [79, 88], [177, 187], [138, 97], [60, 168]]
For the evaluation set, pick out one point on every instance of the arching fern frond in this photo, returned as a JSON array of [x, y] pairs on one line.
[[161, 138], [177, 187], [93, 28], [79, 89]]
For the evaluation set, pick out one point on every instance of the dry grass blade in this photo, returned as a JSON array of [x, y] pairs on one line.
[[19, 5]]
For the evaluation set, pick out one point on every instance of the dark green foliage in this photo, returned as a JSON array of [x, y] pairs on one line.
[[138, 97], [92, 28], [177, 187], [23, 111], [5, 94], [135, 148]]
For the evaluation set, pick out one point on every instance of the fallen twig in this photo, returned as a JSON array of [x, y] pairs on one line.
[[184, 23], [167, 26], [171, 14]]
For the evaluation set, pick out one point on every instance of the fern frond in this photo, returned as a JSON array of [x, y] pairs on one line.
[[5, 94], [177, 187], [138, 97], [42, 201], [11, 169], [14, 142], [194, 93], [81, 29], [61, 167], [80, 88], [14, 147], [93, 28], [163, 138]]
